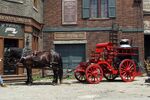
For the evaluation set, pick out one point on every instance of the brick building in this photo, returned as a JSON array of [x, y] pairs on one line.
[[73, 27], [19, 19], [146, 13]]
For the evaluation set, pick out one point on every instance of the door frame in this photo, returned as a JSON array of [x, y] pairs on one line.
[[20, 45], [1, 54]]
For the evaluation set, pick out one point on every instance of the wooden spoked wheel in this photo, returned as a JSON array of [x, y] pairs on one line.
[[127, 70], [94, 74], [80, 76], [107, 74]]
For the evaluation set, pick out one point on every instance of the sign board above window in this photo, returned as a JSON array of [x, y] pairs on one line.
[[69, 12], [11, 30], [70, 36]]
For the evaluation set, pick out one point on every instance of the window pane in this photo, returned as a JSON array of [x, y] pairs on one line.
[[99, 8], [94, 8], [104, 8]]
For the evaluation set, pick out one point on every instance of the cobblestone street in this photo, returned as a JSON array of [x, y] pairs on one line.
[[73, 90]]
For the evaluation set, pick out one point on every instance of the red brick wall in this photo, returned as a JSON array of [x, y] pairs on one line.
[[93, 38], [128, 15], [52, 13]]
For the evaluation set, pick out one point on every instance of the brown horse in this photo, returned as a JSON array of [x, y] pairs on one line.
[[38, 59]]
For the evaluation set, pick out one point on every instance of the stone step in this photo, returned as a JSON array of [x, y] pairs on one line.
[[14, 78]]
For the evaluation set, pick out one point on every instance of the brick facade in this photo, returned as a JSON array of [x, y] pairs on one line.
[[128, 18], [23, 14]]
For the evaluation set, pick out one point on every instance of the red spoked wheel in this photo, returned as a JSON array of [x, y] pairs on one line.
[[94, 73], [107, 74], [127, 70], [79, 74]]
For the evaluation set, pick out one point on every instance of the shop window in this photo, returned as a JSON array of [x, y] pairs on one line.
[[35, 43]]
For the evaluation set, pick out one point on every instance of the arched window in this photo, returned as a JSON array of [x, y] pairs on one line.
[[35, 3]]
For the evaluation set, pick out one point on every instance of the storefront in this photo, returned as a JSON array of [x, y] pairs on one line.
[[14, 30], [11, 36]]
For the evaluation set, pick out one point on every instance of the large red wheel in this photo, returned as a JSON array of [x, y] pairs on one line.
[[79, 74], [127, 70], [94, 73], [107, 74]]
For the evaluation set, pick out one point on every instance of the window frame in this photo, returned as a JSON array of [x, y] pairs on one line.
[[35, 4], [99, 10]]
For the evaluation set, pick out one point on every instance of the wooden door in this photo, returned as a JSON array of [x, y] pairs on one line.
[[72, 54]]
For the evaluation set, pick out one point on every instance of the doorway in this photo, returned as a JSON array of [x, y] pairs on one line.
[[72, 54], [8, 43], [146, 45]]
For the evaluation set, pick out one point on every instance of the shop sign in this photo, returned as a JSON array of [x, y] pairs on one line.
[[11, 30], [69, 36]]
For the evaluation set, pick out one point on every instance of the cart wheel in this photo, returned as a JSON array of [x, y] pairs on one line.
[[127, 70], [80, 76], [110, 77], [94, 73], [107, 74]]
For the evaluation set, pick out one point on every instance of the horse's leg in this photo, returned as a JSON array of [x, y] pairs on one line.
[[60, 69], [27, 69], [29, 74], [55, 77], [60, 75]]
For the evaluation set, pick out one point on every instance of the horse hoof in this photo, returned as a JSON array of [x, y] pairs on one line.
[[61, 82], [29, 84], [53, 84]]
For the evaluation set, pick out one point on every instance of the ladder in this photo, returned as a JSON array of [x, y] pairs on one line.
[[113, 37]]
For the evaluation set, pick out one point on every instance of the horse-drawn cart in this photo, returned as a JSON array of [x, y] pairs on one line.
[[109, 62]]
